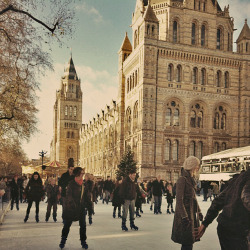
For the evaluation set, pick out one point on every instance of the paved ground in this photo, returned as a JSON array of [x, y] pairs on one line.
[[104, 234]]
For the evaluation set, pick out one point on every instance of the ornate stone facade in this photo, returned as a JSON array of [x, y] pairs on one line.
[[67, 119], [182, 90]]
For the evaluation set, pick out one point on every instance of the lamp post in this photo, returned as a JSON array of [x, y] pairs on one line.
[[42, 155]]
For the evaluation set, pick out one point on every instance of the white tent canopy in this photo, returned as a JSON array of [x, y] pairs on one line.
[[216, 176], [229, 153]]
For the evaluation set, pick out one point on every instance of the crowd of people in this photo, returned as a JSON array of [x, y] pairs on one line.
[[78, 193]]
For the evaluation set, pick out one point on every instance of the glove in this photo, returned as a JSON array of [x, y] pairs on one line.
[[200, 216], [186, 223]]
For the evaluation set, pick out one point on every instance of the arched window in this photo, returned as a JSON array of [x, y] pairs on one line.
[[195, 75], [175, 150], [193, 39], [203, 76], [128, 120], [216, 147], [216, 121], [66, 110], [223, 121], [70, 111], [200, 150], [70, 152], [68, 134], [223, 146], [148, 29], [218, 78], [72, 135], [200, 120], [178, 73], [130, 83], [193, 119], [175, 32], [127, 85], [170, 72], [133, 80], [153, 30], [167, 150], [226, 79], [219, 38], [75, 111], [168, 117], [246, 47], [176, 121], [203, 35], [192, 148], [135, 116]]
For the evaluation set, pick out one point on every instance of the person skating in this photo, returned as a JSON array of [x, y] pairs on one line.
[[14, 191], [53, 197], [139, 198], [234, 220], [34, 192], [107, 189], [128, 196], [89, 186], [170, 198], [117, 202], [187, 208], [157, 190], [74, 207], [64, 181]]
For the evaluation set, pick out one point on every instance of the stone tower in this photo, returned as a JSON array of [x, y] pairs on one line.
[[67, 118]]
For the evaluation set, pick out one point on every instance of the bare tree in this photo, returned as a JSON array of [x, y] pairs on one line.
[[25, 26]]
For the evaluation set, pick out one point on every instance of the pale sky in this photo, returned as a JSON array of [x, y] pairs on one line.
[[99, 33]]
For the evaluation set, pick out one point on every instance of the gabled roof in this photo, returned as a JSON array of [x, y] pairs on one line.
[[70, 71], [150, 15], [245, 32], [126, 45]]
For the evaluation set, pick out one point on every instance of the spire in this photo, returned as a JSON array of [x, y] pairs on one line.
[[150, 15], [70, 71], [245, 32], [126, 45]]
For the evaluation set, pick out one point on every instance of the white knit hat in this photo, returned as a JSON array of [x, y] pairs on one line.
[[191, 162]]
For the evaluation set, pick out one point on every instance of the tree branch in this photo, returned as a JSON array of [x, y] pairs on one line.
[[12, 8]]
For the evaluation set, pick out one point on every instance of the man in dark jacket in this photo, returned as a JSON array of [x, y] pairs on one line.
[[108, 189], [15, 189], [128, 196], [157, 190], [64, 181], [234, 220]]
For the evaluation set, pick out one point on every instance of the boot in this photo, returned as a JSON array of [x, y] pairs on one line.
[[119, 214], [90, 220], [37, 218], [63, 241], [26, 218], [124, 227], [114, 214], [17, 207], [137, 213], [11, 207], [172, 210], [141, 211], [151, 208], [54, 218], [84, 244], [168, 212], [133, 226], [46, 218]]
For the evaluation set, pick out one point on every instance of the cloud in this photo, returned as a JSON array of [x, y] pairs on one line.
[[98, 87], [91, 11]]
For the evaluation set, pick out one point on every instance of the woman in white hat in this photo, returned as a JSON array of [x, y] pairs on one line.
[[187, 209]]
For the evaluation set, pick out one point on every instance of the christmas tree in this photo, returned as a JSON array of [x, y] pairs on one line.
[[127, 164]]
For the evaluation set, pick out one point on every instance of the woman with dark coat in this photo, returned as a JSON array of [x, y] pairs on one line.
[[74, 210], [170, 198], [139, 198], [187, 208], [89, 186], [14, 191], [116, 201], [34, 192]]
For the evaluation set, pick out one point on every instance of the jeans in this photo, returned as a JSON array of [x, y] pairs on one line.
[[157, 207], [128, 205], [107, 196], [228, 241], [30, 205], [49, 206], [82, 224]]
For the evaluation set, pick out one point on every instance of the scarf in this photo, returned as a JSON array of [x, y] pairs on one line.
[[79, 182]]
